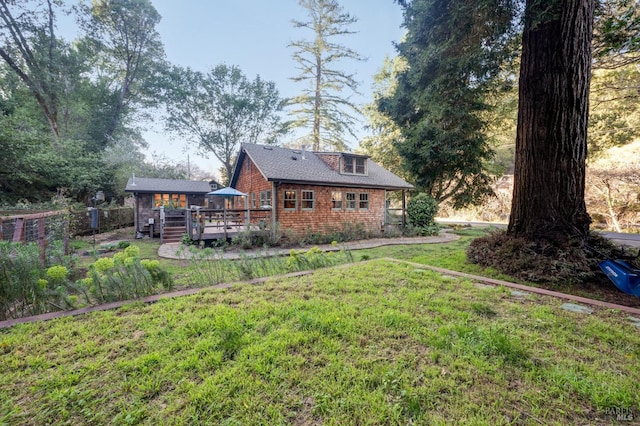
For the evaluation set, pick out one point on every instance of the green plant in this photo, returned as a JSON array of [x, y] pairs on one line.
[[123, 244], [243, 239], [422, 210], [186, 240], [263, 264], [22, 292], [207, 266], [125, 276], [28, 287]]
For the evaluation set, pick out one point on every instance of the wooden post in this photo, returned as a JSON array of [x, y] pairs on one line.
[[274, 205], [404, 209], [42, 241], [18, 225]]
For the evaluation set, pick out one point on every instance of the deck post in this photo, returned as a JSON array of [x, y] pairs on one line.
[[404, 209], [274, 205], [247, 215]]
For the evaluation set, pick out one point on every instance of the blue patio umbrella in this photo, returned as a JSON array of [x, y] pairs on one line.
[[227, 192]]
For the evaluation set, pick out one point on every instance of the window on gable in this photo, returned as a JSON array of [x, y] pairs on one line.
[[336, 200], [253, 200], [351, 200], [307, 200], [290, 200]]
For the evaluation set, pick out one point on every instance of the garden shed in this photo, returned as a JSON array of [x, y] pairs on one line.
[[174, 195]]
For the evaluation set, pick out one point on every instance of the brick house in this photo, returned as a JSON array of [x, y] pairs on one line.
[[315, 191]]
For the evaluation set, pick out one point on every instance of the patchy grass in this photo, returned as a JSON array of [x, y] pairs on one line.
[[371, 343]]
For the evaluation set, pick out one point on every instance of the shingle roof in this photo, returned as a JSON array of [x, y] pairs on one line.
[[288, 165], [174, 186]]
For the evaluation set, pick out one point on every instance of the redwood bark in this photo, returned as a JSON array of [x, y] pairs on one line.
[[551, 142]]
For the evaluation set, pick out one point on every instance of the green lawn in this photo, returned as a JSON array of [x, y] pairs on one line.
[[368, 343]]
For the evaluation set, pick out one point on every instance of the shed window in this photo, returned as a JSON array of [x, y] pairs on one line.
[[170, 200]]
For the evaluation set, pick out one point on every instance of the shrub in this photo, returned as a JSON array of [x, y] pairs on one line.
[[125, 276], [421, 212], [27, 287], [23, 289]]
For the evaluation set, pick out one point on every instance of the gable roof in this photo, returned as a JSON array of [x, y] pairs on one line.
[[290, 165], [174, 186]]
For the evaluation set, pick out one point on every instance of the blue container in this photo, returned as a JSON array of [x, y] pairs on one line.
[[624, 275]]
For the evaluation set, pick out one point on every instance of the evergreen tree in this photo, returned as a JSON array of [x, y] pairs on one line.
[[455, 52], [381, 144], [551, 143], [323, 106]]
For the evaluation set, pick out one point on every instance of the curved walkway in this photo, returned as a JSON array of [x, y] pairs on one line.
[[172, 250]]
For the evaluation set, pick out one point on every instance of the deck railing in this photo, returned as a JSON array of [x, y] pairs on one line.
[[206, 223]]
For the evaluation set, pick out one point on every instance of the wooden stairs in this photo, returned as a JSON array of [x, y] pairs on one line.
[[173, 234]]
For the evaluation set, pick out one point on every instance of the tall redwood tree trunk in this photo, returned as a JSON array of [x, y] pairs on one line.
[[551, 143]]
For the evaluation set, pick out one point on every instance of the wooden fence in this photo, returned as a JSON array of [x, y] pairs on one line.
[[109, 219], [56, 225]]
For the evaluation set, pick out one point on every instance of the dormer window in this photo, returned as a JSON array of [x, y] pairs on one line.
[[353, 165]]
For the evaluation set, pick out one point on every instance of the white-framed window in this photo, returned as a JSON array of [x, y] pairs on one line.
[[336, 200], [290, 199], [364, 201], [350, 200], [307, 200], [253, 200]]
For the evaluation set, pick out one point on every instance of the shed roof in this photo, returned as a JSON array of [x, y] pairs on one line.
[[296, 166], [174, 186]]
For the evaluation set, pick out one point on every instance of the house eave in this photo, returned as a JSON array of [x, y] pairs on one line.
[[340, 184]]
